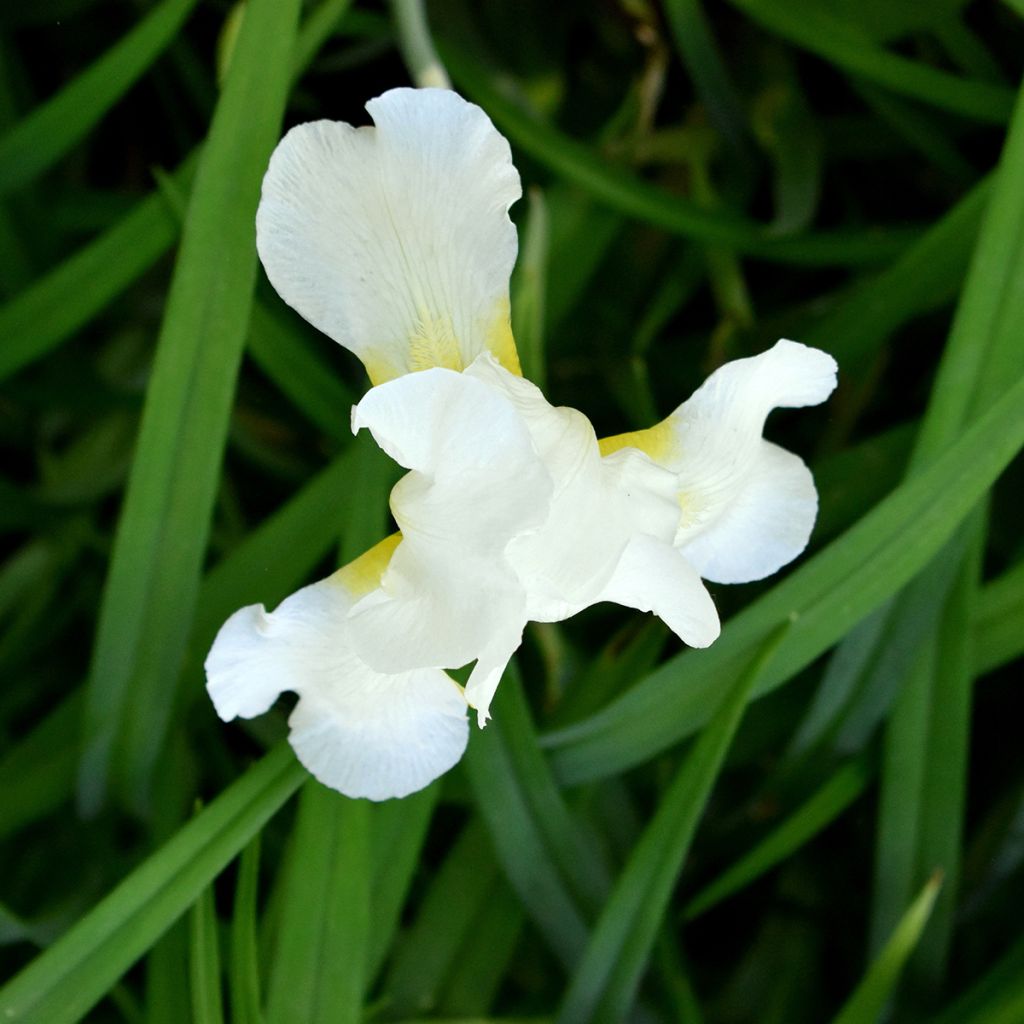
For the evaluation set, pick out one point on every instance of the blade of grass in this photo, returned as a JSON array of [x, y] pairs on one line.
[[37, 775], [320, 952], [398, 834], [48, 132], [529, 289], [244, 968], [999, 638], [924, 776], [604, 984], [287, 358], [998, 998], [484, 961], [521, 847], [39, 318], [700, 53], [927, 743], [927, 275], [868, 1000], [204, 961], [153, 580], [64, 299], [815, 29], [836, 794], [629, 194], [572, 849], [413, 33], [65, 981], [426, 955]]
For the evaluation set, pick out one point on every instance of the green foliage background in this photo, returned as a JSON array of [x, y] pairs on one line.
[[819, 818]]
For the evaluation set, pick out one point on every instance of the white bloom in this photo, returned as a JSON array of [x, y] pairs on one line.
[[396, 241], [510, 513]]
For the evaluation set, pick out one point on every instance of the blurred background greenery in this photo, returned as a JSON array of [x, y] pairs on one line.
[[623, 842]]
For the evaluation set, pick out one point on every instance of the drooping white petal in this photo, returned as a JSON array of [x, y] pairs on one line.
[[747, 508], [395, 240], [364, 733], [491, 664], [653, 576], [476, 482], [766, 525]]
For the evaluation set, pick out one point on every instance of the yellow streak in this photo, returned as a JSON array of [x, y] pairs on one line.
[[364, 574], [659, 442], [499, 340], [433, 343]]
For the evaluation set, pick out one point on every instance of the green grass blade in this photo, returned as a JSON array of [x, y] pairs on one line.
[[815, 29], [999, 638], [285, 355], [835, 795], [573, 851], [868, 1001], [427, 953], [204, 961], [37, 775], [37, 142], [520, 844], [899, 804], [60, 302], [398, 834], [38, 319], [831, 592], [61, 985], [998, 998], [320, 952], [244, 968], [944, 795], [603, 987], [700, 53], [925, 277], [629, 194], [529, 290], [168, 1001], [153, 580], [481, 967], [983, 356]]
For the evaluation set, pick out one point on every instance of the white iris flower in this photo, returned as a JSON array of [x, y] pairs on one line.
[[396, 242]]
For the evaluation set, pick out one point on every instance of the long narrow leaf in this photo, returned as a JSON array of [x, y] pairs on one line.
[[35, 143], [320, 956], [868, 1001], [626, 192], [61, 985], [204, 962], [603, 987], [154, 575]]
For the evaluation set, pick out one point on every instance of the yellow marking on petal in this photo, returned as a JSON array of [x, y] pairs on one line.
[[380, 371], [433, 343], [364, 574], [659, 442], [499, 340]]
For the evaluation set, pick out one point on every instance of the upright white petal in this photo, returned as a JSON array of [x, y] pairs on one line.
[[747, 507], [364, 733], [395, 240]]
